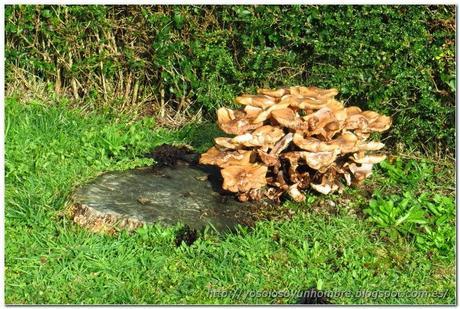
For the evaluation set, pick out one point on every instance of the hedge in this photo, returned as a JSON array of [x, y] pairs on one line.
[[398, 60]]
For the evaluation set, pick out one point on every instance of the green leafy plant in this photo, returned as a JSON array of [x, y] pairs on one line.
[[396, 212], [427, 217]]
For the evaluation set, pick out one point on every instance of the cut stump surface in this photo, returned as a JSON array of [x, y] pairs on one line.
[[168, 195]]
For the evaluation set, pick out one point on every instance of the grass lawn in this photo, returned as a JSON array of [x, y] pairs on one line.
[[395, 234]]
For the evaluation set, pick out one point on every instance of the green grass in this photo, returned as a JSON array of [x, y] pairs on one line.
[[52, 149]]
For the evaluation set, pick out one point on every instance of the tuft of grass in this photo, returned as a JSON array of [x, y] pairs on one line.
[[49, 260]]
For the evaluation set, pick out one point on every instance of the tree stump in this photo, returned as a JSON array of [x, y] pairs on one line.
[[168, 195]]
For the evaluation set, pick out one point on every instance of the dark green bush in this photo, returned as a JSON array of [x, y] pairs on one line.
[[398, 60]]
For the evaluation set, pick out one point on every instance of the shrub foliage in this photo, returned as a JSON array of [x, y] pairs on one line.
[[397, 60]]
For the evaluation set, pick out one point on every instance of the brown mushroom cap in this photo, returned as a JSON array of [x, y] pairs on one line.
[[382, 123], [286, 117], [360, 172], [329, 182], [313, 144], [252, 112], [273, 194], [282, 144], [225, 158], [267, 158], [265, 114], [234, 122], [313, 92], [370, 146], [276, 93], [322, 188], [290, 100], [356, 121], [262, 101], [265, 136], [312, 104], [352, 110], [362, 134], [292, 156], [368, 159], [242, 178], [319, 120], [347, 178], [225, 143], [331, 129], [211, 156], [226, 114], [315, 160], [333, 126], [335, 106], [370, 115], [278, 181], [319, 160], [294, 192], [347, 142], [340, 114], [303, 102]]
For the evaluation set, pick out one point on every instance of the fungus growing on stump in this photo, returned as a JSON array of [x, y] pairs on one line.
[[290, 139]]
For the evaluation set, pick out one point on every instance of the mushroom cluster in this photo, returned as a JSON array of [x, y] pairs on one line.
[[290, 139]]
